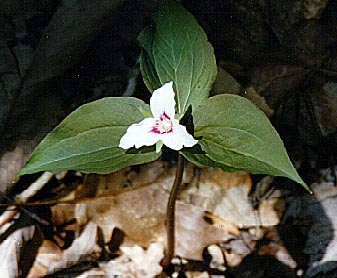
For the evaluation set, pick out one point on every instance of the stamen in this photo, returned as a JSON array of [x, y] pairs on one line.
[[163, 124]]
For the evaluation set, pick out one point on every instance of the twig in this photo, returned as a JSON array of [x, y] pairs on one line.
[[170, 212], [23, 197], [35, 187], [8, 215]]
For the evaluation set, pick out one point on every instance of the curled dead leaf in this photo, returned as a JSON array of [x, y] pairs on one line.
[[11, 251], [141, 214]]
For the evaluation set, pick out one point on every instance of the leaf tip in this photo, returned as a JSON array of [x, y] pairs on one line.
[[306, 187]]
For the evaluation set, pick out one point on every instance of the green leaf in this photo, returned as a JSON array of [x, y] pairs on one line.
[[147, 67], [177, 50], [236, 135], [87, 140], [198, 157]]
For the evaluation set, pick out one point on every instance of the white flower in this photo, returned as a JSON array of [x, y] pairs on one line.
[[163, 127]]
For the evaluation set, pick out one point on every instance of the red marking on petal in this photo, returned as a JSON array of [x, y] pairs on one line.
[[166, 116], [162, 125], [155, 130]]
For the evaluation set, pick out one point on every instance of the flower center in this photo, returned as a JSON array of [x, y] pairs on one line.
[[163, 125]]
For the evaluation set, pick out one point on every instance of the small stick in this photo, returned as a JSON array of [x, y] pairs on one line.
[[7, 215], [23, 197], [36, 186]]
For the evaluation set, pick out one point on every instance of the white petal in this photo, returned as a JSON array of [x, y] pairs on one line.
[[162, 100], [138, 135], [179, 138]]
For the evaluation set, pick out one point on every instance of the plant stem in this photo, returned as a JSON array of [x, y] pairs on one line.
[[170, 212]]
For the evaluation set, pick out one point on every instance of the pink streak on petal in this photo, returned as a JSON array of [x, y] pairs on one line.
[[138, 135]]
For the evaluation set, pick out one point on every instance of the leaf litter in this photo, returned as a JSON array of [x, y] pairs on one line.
[[213, 215], [213, 210]]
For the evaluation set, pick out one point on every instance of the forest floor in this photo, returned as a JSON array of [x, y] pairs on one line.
[[55, 57]]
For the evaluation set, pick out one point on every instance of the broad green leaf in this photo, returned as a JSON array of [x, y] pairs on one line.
[[87, 140], [176, 49], [147, 67], [236, 134], [202, 159]]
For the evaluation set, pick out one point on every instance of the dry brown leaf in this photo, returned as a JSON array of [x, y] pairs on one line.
[[50, 258], [197, 274], [133, 263], [271, 210], [217, 260], [275, 247], [48, 253], [236, 249], [63, 213], [313, 8], [83, 248], [8, 215], [232, 259], [13, 160], [225, 195], [222, 224], [193, 233], [224, 179], [236, 208], [125, 179], [94, 272], [136, 261], [141, 215], [214, 203], [11, 250], [10, 164]]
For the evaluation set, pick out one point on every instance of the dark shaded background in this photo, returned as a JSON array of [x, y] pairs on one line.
[[55, 56]]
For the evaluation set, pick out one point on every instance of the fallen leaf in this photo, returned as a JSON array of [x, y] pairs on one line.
[[141, 215], [325, 106], [236, 249], [271, 211], [66, 38], [133, 263], [224, 225], [275, 247], [84, 247], [11, 250], [225, 195], [10, 164], [197, 274], [212, 203], [148, 261], [48, 253], [319, 211], [217, 260], [124, 179], [94, 272], [313, 9], [193, 233]]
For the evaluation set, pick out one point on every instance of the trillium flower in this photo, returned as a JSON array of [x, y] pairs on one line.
[[163, 128]]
